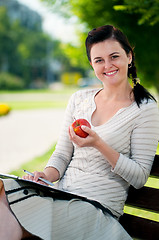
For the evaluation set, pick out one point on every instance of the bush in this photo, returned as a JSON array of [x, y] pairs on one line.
[[10, 82], [4, 109]]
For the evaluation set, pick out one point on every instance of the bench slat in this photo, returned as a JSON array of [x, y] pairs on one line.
[[139, 227], [146, 197]]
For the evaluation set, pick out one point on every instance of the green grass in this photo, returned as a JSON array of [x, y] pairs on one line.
[[36, 105], [37, 163], [37, 99], [62, 90]]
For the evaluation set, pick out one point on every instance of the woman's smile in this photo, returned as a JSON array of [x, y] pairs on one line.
[[110, 73]]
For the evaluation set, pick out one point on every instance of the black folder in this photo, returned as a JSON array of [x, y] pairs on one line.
[[54, 192]]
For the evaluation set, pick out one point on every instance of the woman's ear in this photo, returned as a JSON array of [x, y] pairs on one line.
[[130, 57]]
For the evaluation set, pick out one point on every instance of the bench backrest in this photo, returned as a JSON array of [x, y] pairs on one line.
[[146, 198]]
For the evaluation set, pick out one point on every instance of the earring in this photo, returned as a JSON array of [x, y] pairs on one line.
[[130, 65]]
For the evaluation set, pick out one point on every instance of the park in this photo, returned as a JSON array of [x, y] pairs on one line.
[[38, 75]]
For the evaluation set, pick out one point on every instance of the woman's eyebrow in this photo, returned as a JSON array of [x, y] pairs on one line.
[[109, 55], [113, 53], [97, 58]]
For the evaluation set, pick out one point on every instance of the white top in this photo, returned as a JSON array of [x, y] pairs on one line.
[[132, 131]]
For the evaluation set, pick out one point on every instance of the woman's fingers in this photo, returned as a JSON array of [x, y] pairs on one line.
[[36, 176], [41, 182], [71, 132], [83, 127], [86, 129], [28, 177], [73, 136]]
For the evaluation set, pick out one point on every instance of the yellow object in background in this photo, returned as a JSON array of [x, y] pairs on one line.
[[70, 78], [4, 109]]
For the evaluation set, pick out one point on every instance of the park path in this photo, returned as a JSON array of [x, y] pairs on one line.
[[27, 134]]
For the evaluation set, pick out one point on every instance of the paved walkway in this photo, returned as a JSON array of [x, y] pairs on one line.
[[27, 134]]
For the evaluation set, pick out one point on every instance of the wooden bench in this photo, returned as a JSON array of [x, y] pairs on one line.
[[146, 198]]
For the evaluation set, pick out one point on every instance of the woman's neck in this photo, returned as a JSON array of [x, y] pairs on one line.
[[123, 93]]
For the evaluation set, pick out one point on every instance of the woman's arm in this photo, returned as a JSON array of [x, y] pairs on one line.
[[144, 139]]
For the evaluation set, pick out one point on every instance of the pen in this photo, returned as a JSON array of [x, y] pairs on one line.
[[42, 179]]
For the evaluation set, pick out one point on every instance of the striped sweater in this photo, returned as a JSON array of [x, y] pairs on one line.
[[132, 131]]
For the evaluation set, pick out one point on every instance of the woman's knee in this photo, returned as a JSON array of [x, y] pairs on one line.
[[3, 197], [9, 227]]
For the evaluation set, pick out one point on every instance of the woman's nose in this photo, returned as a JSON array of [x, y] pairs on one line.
[[107, 64]]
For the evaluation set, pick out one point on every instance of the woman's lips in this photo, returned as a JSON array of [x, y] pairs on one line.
[[111, 73]]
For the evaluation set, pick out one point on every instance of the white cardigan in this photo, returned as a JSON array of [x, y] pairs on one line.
[[132, 131]]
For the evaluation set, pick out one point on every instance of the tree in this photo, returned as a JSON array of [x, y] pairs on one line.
[[148, 10], [30, 53], [7, 43], [144, 37]]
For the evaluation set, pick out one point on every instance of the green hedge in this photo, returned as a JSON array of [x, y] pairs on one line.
[[10, 82]]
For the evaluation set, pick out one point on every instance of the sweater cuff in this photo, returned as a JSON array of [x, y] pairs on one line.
[[120, 165], [55, 164]]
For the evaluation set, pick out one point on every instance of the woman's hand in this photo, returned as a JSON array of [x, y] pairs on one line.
[[50, 173], [91, 140], [36, 177]]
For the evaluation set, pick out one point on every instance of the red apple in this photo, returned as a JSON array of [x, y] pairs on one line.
[[77, 127]]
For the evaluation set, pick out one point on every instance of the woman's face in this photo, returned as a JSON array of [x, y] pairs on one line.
[[110, 62]]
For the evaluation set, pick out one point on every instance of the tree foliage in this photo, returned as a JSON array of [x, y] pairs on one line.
[[133, 21], [148, 10], [29, 53]]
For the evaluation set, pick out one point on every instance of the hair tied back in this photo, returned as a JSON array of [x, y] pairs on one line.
[[136, 81]]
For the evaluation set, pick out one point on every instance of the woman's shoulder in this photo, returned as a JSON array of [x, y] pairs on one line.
[[149, 104], [148, 110]]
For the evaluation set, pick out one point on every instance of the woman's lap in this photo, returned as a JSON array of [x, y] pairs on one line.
[[61, 219]]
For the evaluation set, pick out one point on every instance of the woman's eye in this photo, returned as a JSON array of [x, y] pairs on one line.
[[98, 61], [114, 56]]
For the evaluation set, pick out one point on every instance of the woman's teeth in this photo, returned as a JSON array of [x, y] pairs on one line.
[[110, 73]]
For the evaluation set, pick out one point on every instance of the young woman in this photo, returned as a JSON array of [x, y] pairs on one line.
[[118, 151]]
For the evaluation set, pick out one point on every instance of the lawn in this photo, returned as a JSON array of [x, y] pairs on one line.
[[37, 163], [37, 99], [17, 105]]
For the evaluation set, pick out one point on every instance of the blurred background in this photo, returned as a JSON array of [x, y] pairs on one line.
[[43, 61]]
